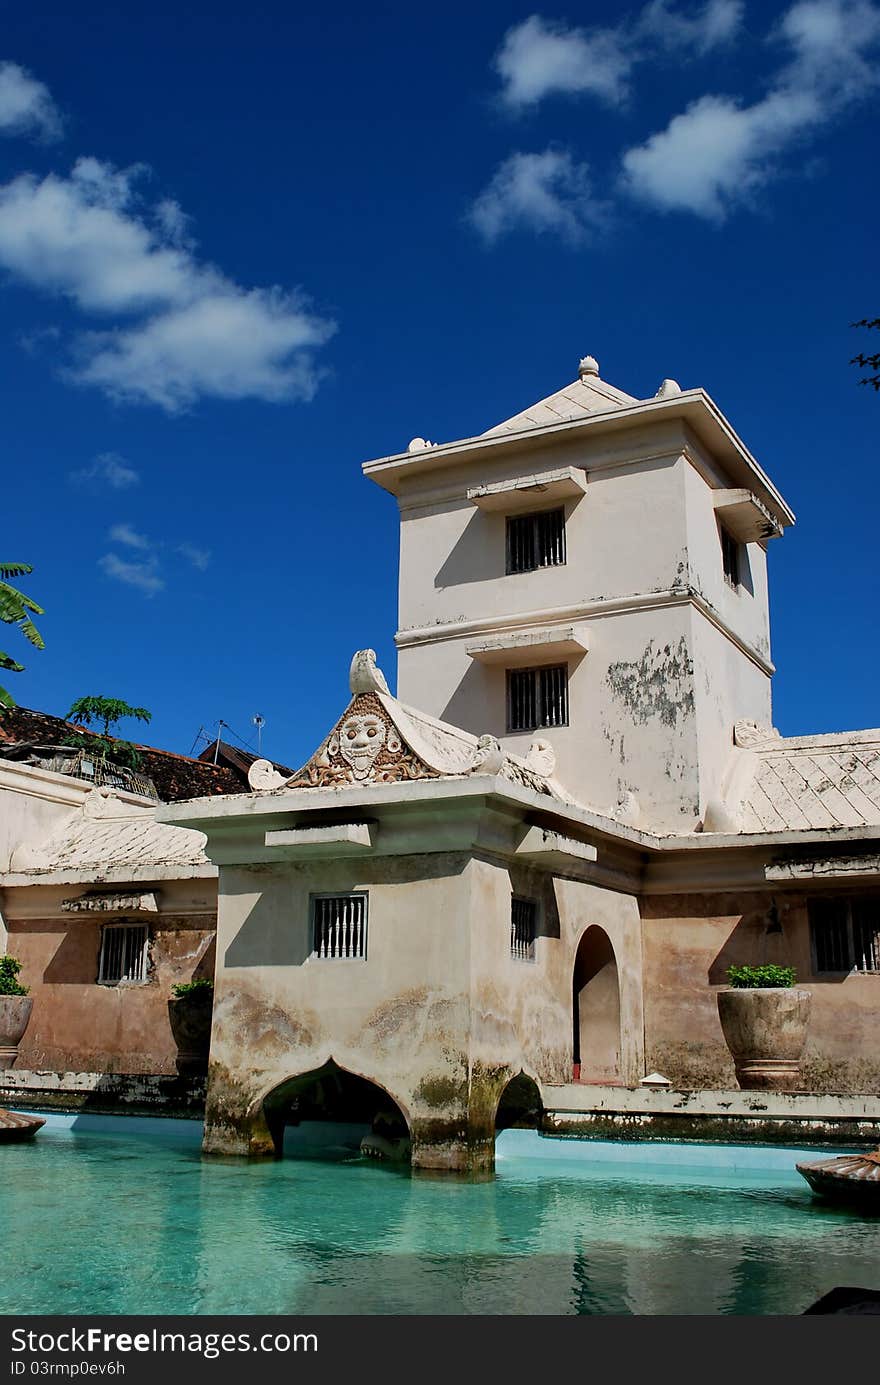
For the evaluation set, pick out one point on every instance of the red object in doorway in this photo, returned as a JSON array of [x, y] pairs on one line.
[[575, 1072]]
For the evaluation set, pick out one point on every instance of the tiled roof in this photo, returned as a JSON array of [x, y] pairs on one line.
[[237, 758], [106, 834], [23, 731], [822, 782], [577, 400]]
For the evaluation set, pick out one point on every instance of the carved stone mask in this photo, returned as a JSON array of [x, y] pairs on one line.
[[360, 740]]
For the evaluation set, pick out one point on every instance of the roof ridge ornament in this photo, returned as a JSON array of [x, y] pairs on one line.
[[667, 389], [748, 734], [588, 366], [263, 777], [365, 676]]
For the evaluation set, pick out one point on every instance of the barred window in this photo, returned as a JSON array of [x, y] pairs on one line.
[[123, 953], [523, 927], [537, 697], [339, 926], [845, 934], [536, 540], [729, 557]]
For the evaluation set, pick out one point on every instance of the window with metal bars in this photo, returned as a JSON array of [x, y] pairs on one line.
[[536, 540], [537, 697], [339, 926], [523, 928], [845, 934], [123, 953], [729, 557]]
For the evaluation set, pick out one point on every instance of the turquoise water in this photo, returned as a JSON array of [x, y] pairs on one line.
[[104, 1220]]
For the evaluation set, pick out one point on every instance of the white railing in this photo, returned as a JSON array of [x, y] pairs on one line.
[[340, 926]]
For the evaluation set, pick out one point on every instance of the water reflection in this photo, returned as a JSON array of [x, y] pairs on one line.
[[96, 1223]]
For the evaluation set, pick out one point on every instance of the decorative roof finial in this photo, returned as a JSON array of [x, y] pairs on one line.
[[588, 366], [667, 389], [364, 676]]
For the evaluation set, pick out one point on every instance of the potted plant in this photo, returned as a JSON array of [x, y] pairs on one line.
[[15, 1010], [190, 1011], [764, 1020]]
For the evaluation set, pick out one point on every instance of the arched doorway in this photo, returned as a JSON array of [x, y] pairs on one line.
[[335, 1113], [596, 1009], [520, 1104]]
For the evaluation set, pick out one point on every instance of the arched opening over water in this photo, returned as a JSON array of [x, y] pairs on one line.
[[596, 1009], [520, 1104], [338, 1112]]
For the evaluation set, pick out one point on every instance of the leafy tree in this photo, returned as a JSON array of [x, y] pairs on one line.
[[107, 711], [16, 609], [868, 362]]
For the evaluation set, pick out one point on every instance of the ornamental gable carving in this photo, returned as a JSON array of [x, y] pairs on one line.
[[364, 747]]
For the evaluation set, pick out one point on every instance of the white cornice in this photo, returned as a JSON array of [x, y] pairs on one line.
[[694, 407], [586, 610]]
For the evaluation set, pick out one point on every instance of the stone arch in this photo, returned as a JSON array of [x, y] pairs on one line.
[[597, 1042], [335, 1093], [519, 1103]]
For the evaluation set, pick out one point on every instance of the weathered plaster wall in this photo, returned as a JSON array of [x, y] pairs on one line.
[[632, 712], [77, 1024], [691, 940], [439, 1014], [744, 608], [728, 687], [33, 804], [625, 535], [653, 702], [397, 1018]]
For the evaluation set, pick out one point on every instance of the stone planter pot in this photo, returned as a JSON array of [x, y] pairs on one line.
[[190, 1017], [765, 1030], [15, 1011]]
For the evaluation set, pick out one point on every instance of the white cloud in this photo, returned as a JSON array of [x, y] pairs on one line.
[[124, 534], [108, 469], [230, 344], [26, 106], [538, 192], [832, 42], [199, 557], [195, 332], [80, 237], [718, 151], [698, 31], [540, 57], [39, 339], [143, 575], [543, 57]]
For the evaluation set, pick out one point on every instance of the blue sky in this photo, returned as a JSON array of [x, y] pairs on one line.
[[242, 250]]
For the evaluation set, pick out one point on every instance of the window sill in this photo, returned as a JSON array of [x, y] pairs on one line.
[[520, 650]]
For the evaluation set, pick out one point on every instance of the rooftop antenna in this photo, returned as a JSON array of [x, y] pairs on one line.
[[259, 722], [220, 723]]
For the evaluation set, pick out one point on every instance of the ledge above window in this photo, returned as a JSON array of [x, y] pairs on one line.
[[520, 649], [552, 487], [744, 516], [341, 839]]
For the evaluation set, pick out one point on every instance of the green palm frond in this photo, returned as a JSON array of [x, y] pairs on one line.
[[16, 608]]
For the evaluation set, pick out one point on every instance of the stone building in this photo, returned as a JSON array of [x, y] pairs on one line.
[[540, 857]]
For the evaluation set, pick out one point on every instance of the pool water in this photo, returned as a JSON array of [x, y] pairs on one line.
[[102, 1218]]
